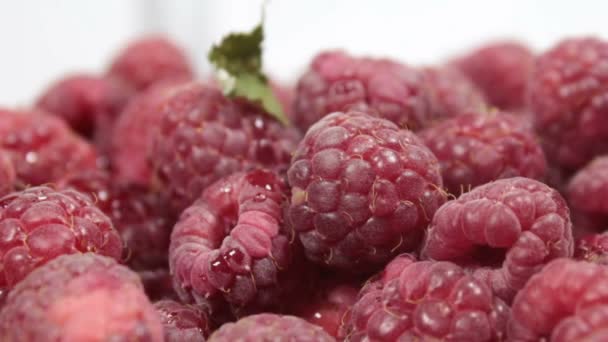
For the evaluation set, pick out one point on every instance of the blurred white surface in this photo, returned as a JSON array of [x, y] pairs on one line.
[[43, 40]]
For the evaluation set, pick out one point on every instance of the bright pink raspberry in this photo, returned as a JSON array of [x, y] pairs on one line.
[[478, 147], [363, 191], [80, 297], [593, 248], [231, 244], [567, 95], [505, 230], [337, 81], [501, 70], [427, 301], [39, 224], [204, 136], [183, 323], [42, 147], [8, 175], [270, 327], [148, 60], [564, 302]]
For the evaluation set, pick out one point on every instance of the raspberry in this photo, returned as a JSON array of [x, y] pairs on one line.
[[182, 322], [517, 222], [85, 101], [501, 70], [158, 283], [230, 244], [362, 191], [42, 147], [476, 148], [39, 224], [7, 174], [148, 60], [566, 301], [81, 297], [285, 94], [427, 301], [452, 93], [270, 327], [567, 94], [338, 82], [134, 132], [588, 188], [593, 248], [205, 136]]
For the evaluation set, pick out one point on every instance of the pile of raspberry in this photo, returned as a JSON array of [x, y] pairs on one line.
[[460, 202]]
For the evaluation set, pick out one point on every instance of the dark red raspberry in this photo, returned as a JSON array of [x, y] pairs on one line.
[[452, 93], [588, 189], [148, 60], [501, 70], [39, 224], [427, 301], [478, 147], [231, 244], [81, 297], [205, 136], [565, 302], [8, 175], [42, 147], [158, 284], [339, 82], [506, 230], [593, 248], [134, 132], [183, 323], [363, 191], [567, 94], [270, 327], [85, 102]]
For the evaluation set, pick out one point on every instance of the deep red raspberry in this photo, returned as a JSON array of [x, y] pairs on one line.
[[567, 94], [135, 129], [501, 70], [81, 297], [270, 327], [593, 248], [39, 224], [506, 230], [205, 136], [478, 147], [363, 191], [588, 188], [42, 147], [339, 82], [86, 102], [183, 323], [565, 302], [452, 93], [148, 60], [427, 301], [158, 284], [8, 175], [230, 244]]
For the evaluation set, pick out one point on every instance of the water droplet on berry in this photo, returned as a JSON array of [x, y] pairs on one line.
[[259, 198], [220, 265], [31, 157]]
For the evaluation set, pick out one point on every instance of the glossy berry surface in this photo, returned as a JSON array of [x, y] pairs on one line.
[[182, 322]]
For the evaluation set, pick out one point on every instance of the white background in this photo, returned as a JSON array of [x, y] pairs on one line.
[[42, 40]]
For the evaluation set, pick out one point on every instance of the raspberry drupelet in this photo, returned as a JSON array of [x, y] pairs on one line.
[[183, 323], [505, 231], [362, 190], [80, 297], [478, 147], [587, 190], [427, 301]]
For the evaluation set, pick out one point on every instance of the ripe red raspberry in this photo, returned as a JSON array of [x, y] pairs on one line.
[[39, 224], [339, 82], [285, 94], [7, 174], [85, 102], [565, 302], [567, 94], [81, 297], [205, 136], [477, 147], [593, 248], [452, 93], [270, 327], [427, 301], [588, 188], [230, 244], [42, 147], [148, 60], [362, 191], [183, 322], [501, 70], [134, 132], [507, 230]]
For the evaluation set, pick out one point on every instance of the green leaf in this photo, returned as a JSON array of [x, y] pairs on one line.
[[238, 58]]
